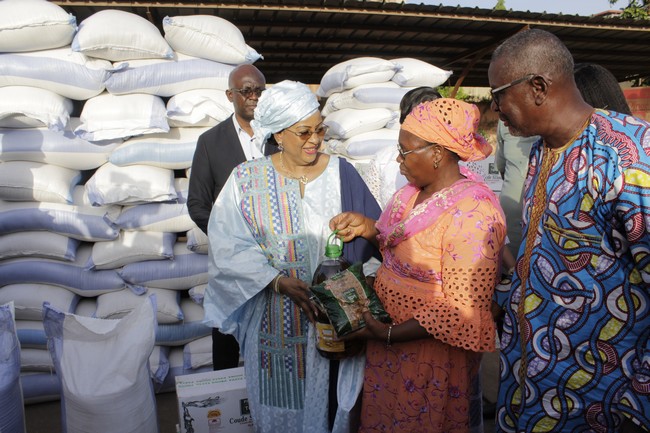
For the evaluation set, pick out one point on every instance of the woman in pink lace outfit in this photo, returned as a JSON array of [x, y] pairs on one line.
[[441, 238]]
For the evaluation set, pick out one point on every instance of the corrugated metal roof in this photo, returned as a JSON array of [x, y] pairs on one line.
[[302, 39]]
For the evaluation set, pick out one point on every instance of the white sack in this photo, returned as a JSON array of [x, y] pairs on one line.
[[160, 217], [208, 37], [349, 122], [34, 25], [191, 328], [39, 387], [159, 363], [416, 73], [197, 293], [43, 244], [173, 150], [132, 247], [107, 117], [376, 95], [56, 148], [355, 72], [12, 412], [62, 71], [34, 181], [104, 371], [31, 107], [116, 35], [118, 304], [199, 107], [197, 241], [86, 307], [365, 145], [31, 334], [156, 217], [36, 360], [69, 275], [168, 77], [186, 270], [130, 185], [198, 353], [82, 222], [28, 299]]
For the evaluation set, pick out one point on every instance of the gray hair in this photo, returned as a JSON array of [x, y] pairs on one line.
[[535, 51]]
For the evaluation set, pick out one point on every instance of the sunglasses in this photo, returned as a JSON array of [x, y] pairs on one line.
[[247, 92], [306, 134], [403, 153], [496, 92]]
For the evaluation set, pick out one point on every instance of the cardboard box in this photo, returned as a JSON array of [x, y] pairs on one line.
[[214, 402]]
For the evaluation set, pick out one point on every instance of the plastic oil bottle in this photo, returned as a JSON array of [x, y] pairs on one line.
[[331, 263]]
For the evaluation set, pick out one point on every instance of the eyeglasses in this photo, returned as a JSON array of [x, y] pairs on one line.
[[403, 153], [306, 134], [495, 92], [247, 92]]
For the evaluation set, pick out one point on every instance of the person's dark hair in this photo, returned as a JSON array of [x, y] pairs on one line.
[[599, 88], [535, 51], [414, 97]]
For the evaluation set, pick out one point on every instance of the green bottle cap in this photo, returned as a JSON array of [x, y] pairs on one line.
[[333, 250]]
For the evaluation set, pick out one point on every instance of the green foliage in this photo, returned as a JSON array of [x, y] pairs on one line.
[[445, 91], [636, 9], [461, 95], [500, 6]]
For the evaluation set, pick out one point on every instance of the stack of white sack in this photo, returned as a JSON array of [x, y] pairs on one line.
[[362, 110], [46, 226], [39, 72], [93, 205]]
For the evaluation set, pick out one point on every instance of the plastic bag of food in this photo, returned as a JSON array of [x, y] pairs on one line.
[[345, 297]]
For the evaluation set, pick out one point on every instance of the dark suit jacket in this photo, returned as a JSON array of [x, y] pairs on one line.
[[217, 153]]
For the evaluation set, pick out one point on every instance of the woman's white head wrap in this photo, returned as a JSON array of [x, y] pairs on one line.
[[281, 106]]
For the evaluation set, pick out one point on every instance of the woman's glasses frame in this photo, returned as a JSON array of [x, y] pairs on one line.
[[306, 134], [403, 153]]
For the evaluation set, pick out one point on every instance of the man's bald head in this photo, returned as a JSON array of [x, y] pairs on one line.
[[240, 72], [247, 78]]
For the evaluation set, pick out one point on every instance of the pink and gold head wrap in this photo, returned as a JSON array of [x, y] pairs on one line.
[[452, 124]]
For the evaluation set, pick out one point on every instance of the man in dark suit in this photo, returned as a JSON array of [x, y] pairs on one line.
[[218, 151]]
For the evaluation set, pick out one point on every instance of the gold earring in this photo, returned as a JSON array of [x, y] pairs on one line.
[[435, 164]]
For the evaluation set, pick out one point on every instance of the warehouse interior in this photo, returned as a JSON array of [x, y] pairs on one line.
[[302, 39]]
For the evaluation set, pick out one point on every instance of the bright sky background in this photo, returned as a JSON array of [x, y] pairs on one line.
[[567, 7]]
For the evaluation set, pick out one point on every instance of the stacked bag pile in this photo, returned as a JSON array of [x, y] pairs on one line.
[[98, 126], [362, 104]]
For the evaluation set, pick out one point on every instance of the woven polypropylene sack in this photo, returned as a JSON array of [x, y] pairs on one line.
[[104, 370], [12, 414]]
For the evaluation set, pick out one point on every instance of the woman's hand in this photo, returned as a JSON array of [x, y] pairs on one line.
[[299, 293], [374, 330], [353, 224]]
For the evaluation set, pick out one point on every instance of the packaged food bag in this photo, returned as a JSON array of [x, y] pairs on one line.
[[345, 297]]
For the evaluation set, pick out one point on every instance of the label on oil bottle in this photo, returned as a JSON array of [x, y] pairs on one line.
[[326, 338]]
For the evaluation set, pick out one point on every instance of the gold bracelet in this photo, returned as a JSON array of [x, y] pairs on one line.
[[276, 283], [390, 328]]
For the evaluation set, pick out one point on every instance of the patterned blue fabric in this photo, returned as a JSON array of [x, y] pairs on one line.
[[586, 311]]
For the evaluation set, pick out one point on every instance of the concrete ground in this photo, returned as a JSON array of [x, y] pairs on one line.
[[46, 417]]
